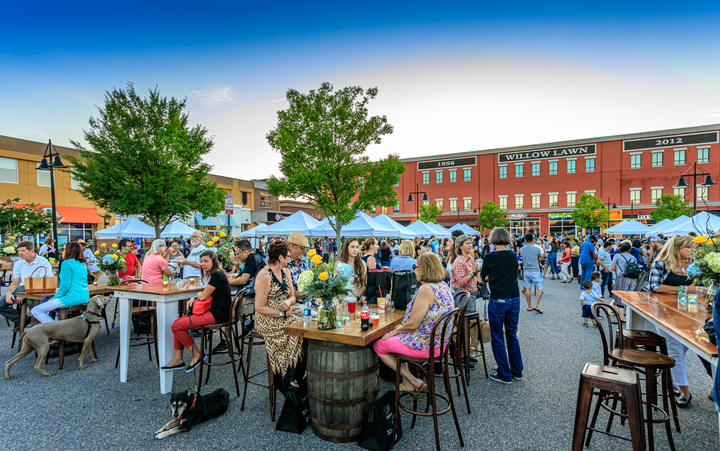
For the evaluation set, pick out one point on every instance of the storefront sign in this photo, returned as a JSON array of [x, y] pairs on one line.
[[559, 215], [587, 149], [636, 216], [670, 141], [516, 216], [275, 217], [439, 164]]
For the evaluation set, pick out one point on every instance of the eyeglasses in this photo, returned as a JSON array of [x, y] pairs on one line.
[[415, 267]]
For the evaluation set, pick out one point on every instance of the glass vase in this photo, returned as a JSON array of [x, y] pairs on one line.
[[327, 315], [112, 278], [711, 296]]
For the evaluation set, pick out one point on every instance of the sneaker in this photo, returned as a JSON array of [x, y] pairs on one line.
[[497, 378], [517, 378], [471, 364], [221, 348]]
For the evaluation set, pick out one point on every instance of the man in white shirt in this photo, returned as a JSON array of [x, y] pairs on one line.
[[28, 263], [90, 261], [191, 263]]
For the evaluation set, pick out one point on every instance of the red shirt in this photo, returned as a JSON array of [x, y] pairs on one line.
[[130, 261]]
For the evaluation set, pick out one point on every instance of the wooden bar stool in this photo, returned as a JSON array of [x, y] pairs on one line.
[[255, 338], [607, 382], [460, 349], [652, 364]]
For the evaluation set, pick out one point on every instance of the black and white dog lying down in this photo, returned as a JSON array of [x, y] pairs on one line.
[[189, 409]]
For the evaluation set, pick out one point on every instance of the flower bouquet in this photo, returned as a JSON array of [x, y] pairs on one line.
[[323, 283], [705, 269], [222, 245], [110, 261], [8, 248]]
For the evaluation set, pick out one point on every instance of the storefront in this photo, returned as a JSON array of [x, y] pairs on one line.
[[521, 224], [76, 223], [210, 225], [561, 223]]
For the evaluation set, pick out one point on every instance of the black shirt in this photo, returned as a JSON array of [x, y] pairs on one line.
[[385, 254], [501, 267], [253, 265], [221, 298]]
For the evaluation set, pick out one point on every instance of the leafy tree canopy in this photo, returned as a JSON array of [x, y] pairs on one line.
[[429, 212], [492, 216], [322, 137], [590, 212], [28, 219], [145, 160], [670, 207]]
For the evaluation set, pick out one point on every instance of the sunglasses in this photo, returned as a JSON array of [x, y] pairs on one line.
[[415, 267]]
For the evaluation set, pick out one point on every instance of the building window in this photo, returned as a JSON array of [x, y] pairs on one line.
[[438, 176], [467, 174], [679, 157], [502, 172], [396, 208], [552, 168], [535, 169], [245, 198], [502, 202], [8, 170], [657, 159], [453, 204], [571, 166], [535, 201], [655, 194], [519, 169], [453, 175], [635, 195], [703, 155], [636, 161], [702, 193], [571, 200], [425, 178], [43, 177], [679, 192], [519, 203], [553, 200], [265, 200], [75, 184], [589, 164], [384, 210], [439, 203], [467, 203]]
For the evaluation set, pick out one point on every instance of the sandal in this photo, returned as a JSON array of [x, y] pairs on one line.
[[530, 309], [537, 310], [413, 394]]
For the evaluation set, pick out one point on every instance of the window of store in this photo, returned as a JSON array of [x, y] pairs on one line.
[[467, 203], [74, 232], [43, 177], [564, 226], [425, 178], [657, 159], [589, 164], [703, 155], [438, 176], [8, 170], [519, 201], [502, 172], [552, 167], [502, 202], [703, 193], [535, 167], [635, 195], [467, 174], [571, 196], [453, 175], [679, 157], [524, 226], [655, 193], [535, 200], [635, 160], [439, 203], [384, 210], [571, 166], [679, 192], [453, 204], [553, 199], [519, 170]]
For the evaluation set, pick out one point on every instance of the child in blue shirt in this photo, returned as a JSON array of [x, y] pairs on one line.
[[596, 278], [587, 298]]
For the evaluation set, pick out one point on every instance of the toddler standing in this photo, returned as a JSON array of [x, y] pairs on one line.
[[587, 298]]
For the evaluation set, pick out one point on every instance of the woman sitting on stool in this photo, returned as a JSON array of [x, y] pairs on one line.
[[219, 312], [73, 288]]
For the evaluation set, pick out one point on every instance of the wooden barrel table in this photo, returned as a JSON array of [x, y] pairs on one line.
[[343, 382]]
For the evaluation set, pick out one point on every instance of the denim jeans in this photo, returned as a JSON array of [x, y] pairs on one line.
[[606, 282], [505, 312], [587, 269], [552, 261]]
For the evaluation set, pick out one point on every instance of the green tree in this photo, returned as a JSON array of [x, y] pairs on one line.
[[145, 160], [29, 219], [429, 212], [492, 216], [670, 207], [322, 137], [590, 212]]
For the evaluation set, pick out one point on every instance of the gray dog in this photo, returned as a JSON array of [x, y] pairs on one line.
[[81, 329]]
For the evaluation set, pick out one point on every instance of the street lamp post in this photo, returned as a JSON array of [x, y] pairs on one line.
[[50, 152], [608, 208], [417, 193], [708, 182]]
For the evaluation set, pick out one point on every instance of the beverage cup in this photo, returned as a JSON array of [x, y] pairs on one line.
[[376, 321], [374, 317], [381, 305], [351, 306]]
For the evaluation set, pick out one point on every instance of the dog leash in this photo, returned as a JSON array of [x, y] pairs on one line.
[[191, 406]]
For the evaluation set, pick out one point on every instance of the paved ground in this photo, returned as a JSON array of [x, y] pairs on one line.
[[91, 409]]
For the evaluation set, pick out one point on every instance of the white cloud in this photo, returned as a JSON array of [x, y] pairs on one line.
[[215, 95]]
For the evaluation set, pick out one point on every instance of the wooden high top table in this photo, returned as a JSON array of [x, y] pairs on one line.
[[662, 311], [343, 374], [166, 300]]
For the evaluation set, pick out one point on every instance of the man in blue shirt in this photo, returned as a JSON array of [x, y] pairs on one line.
[[587, 258]]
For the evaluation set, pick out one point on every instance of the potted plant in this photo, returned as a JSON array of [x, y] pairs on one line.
[[705, 269], [323, 283]]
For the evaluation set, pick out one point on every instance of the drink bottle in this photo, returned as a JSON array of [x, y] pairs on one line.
[[307, 312], [364, 317]]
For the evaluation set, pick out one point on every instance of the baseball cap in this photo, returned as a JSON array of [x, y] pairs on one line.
[[298, 239], [653, 238]]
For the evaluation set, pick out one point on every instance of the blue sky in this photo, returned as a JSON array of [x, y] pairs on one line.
[[451, 78]]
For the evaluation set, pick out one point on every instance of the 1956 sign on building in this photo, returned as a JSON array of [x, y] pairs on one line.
[[439, 164], [586, 149]]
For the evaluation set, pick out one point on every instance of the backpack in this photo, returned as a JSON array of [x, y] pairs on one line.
[[632, 269], [404, 287]]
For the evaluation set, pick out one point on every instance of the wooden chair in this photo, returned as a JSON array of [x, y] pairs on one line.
[[61, 314], [655, 366], [607, 382], [144, 321], [443, 328], [228, 330], [255, 338], [460, 349]]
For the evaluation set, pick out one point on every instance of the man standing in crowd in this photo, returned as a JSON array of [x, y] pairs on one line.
[[132, 264], [90, 261], [191, 263], [604, 260], [655, 247], [325, 251], [587, 258], [29, 261], [532, 275]]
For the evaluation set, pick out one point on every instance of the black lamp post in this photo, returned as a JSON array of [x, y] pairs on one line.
[[50, 152], [708, 182], [608, 208], [417, 193]]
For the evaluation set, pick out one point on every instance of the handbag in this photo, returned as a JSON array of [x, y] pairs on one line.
[[40, 284], [377, 428], [199, 307], [295, 415], [709, 328], [375, 279], [632, 269]]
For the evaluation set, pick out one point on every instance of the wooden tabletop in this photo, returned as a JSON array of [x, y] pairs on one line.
[[663, 309], [101, 288], [351, 334], [157, 288]]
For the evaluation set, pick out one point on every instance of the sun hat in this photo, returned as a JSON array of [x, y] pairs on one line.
[[298, 239]]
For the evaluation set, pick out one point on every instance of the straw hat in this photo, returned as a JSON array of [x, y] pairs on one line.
[[298, 239]]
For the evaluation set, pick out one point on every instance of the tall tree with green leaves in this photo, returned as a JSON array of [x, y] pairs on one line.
[[492, 216], [322, 137], [145, 160], [670, 206], [590, 212], [429, 213]]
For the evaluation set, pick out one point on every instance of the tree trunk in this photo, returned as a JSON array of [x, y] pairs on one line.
[[156, 225]]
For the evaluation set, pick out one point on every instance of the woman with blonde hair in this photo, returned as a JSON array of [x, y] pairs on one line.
[[668, 272], [406, 258]]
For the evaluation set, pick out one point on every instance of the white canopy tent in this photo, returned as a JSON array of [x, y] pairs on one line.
[[403, 232], [363, 226], [465, 229], [669, 228], [250, 233], [421, 229], [296, 222], [631, 227], [177, 229], [131, 228], [440, 231], [657, 226], [702, 223]]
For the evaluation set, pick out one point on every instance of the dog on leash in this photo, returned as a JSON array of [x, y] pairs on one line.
[[189, 409], [81, 329]]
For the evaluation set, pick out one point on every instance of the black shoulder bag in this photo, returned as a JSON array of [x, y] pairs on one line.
[[632, 269], [377, 428]]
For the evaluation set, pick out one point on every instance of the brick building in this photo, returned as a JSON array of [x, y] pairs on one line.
[[539, 184]]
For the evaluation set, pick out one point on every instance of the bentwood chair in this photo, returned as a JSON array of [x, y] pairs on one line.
[[426, 366], [459, 350]]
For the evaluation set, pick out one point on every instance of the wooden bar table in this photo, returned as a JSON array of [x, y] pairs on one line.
[[166, 300], [662, 311], [343, 374]]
